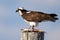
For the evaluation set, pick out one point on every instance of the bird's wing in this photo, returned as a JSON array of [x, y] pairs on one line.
[[34, 16]]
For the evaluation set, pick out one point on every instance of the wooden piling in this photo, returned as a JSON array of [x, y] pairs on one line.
[[27, 34]]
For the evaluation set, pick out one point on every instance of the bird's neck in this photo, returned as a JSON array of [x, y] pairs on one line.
[[20, 13]]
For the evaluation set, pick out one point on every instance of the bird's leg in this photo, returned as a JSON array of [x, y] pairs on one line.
[[32, 28]]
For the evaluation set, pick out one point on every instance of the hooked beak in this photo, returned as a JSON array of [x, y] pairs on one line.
[[17, 10]]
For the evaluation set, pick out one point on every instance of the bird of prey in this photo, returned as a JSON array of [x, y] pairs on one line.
[[33, 18]]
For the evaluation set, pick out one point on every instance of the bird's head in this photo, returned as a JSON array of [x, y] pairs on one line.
[[19, 9]]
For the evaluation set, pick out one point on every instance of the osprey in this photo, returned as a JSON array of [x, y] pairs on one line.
[[34, 17]]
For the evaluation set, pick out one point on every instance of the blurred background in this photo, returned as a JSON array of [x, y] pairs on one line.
[[11, 22]]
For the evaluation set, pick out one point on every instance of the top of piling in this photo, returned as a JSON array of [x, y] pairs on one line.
[[28, 30]]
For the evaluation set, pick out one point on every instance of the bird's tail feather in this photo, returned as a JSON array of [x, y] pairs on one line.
[[54, 18], [53, 15]]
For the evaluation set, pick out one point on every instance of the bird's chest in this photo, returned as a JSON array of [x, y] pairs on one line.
[[31, 23]]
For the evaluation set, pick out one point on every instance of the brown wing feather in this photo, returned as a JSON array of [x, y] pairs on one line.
[[35, 16], [39, 16]]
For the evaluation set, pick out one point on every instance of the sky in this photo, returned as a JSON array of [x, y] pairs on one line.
[[11, 23]]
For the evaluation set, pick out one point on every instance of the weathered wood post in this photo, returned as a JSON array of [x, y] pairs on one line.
[[32, 35]]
